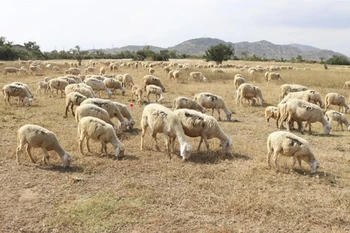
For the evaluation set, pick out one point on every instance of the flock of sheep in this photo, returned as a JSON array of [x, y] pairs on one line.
[[188, 117]]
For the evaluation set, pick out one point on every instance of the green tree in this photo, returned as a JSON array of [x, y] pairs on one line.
[[34, 50], [219, 53], [78, 54], [338, 60], [299, 58], [244, 54]]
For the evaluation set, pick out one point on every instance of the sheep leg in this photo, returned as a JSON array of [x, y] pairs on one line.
[[103, 147], [71, 109], [167, 144], [154, 136], [275, 158], [18, 149], [200, 143], [81, 139], [144, 129], [67, 106], [87, 144], [46, 157], [30, 154], [309, 127], [206, 143], [269, 153], [218, 113]]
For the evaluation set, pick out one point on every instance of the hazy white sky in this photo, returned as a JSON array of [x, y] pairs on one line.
[[62, 24]]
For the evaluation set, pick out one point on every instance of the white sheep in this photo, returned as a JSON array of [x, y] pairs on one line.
[[126, 114], [249, 92], [196, 124], [157, 91], [308, 95], [42, 85], [35, 69], [272, 76], [102, 71], [287, 144], [286, 88], [73, 98], [127, 80], [11, 70], [238, 80], [138, 91], [271, 112], [82, 88], [212, 101], [197, 76], [56, 69], [97, 129], [58, 84], [25, 86], [89, 69], [162, 120], [335, 99], [346, 85], [184, 102], [332, 115], [39, 137], [150, 79], [17, 91], [151, 71], [84, 110], [97, 85], [113, 84]]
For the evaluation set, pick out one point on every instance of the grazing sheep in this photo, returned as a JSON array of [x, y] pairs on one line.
[[73, 98], [335, 99], [300, 110], [23, 70], [82, 88], [308, 95], [151, 71], [157, 91], [110, 107], [150, 79], [97, 129], [250, 92], [25, 86], [332, 115], [35, 69], [11, 70], [184, 102], [113, 84], [162, 120], [56, 69], [127, 80], [197, 76], [97, 85], [196, 124], [42, 85], [126, 114], [58, 84], [271, 112], [138, 91], [272, 76], [290, 145], [102, 71], [47, 79], [17, 91], [346, 85], [212, 101], [286, 88], [89, 69], [175, 74], [74, 71], [93, 110], [238, 80], [39, 137]]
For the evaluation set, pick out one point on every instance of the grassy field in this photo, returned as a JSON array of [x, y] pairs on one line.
[[147, 192]]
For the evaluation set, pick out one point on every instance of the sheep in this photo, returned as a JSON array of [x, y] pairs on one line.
[[25, 86], [162, 120], [238, 80], [58, 84], [126, 114], [47, 79], [212, 101], [73, 98], [150, 79], [184, 102], [23, 70], [127, 80], [102, 70], [308, 95], [290, 145], [250, 92], [18, 91], [151, 71], [286, 88], [77, 78], [346, 85], [300, 110], [35, 69], [97, 85], [271, 112], [56, 69], [42, 85], [272, 76], [97, 129], [114, 84], [138, 91], [157, 91], [93, 110], [175, 74], [335, 99], [197, 76], [89, 69], [332, 115], [112, 110], [11, 70], [39, 137], [74, 71], [82, 88], [196, 124]]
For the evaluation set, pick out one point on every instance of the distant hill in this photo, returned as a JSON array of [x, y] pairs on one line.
[[261, 48]]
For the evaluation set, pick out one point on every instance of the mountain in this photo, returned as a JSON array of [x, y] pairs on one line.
[[261, 48]]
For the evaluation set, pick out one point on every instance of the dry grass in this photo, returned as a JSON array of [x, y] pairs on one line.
[[147, 192]]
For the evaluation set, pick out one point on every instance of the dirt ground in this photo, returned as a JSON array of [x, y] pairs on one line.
[[147, 192]]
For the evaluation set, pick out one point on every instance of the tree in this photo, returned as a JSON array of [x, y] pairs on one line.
[[219, 53], [338, 60], [244, 54], [78, 54], [34, 50], [299, 58]]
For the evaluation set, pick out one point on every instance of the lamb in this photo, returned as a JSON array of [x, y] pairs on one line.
[[42, 85], [93, 110], [300, 110], [138, 91], [127, 80], [73, 98], [336, 99], [238, 80], [157, 91], [39, 137], [332, 115], [196, 124], [272, 76], [110, 107], [150, 79], [18, 91], [97, 129], [184, 102], [11, 70], [58, 84], [286, 88], [212, 101], [197, 76], [290, 145], [97, 85], [126, 114], [82, 88], [250, 92], [271, 112], [162, 120], [308, 95], [114, 84]]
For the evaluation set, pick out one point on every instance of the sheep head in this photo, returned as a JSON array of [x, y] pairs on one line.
[[313, 166], [185, 151], [66, 159]]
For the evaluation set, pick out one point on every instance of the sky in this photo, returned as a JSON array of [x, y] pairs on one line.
[[63, 24]]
